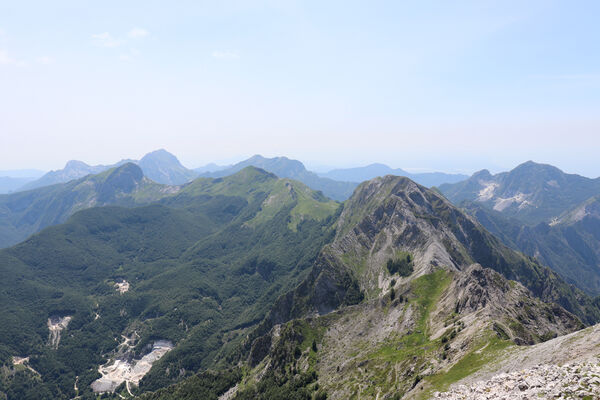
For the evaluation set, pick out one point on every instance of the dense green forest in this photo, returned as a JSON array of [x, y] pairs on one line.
[[204, 264]]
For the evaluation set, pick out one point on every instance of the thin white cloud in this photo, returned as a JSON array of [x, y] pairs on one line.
[[138, 33], [226, 55], [105, 39]]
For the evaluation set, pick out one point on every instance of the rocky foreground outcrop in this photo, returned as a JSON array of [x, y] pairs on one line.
[[567, 367], [569, 381]]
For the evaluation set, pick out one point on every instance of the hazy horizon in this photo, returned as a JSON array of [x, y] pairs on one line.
[[314, 167], [421, 86]]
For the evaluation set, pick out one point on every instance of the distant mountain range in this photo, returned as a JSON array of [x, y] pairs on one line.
[[531, 192], [160, 166], [337, 184], [535, 208], [361, 174], [74, 169], [27, 212], [163, 167], [12, 180], [543, 212], [293, 169]]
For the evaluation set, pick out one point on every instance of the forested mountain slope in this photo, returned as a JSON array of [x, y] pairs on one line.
[[198, 268], [27, 212]]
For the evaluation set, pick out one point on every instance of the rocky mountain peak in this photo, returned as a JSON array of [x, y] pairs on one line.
[[76, 164], [483, 174], [160, 155], [163, 167]]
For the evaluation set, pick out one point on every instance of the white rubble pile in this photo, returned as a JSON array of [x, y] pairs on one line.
[[122, 286], [547, 381]]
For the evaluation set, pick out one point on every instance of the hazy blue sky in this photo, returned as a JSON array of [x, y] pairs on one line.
[[445, 85]]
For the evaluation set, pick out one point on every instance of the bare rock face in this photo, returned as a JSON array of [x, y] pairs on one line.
[[391, 214], [56, 324], [515, 313]]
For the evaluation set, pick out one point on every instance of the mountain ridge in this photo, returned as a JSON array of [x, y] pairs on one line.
[[368, 172], [27, 212], [159, 165], [293, 169], [531, 192], [349, 288]]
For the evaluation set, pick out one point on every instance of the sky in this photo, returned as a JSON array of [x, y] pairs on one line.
[[455, 86]]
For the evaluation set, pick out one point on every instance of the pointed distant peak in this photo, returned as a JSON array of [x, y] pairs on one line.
[[528, 164], [531, 167], [163, 167], [257, 158], [76, 164], [532, 164], [159, 151], [483, 174], [160, 154]]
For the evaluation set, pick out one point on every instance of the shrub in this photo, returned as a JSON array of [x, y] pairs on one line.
[[402, 265]]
